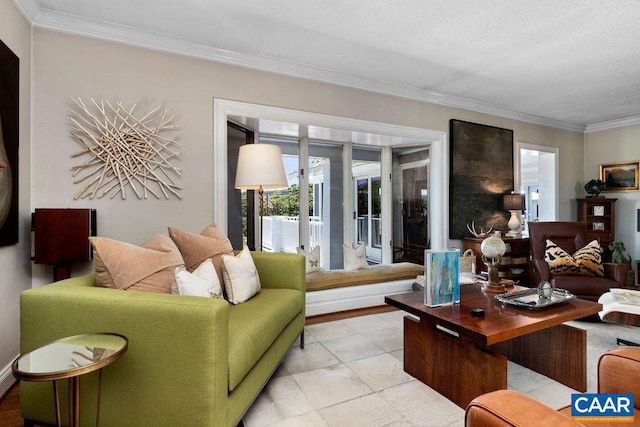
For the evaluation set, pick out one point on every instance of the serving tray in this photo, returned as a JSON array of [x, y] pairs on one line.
[[528, 298]]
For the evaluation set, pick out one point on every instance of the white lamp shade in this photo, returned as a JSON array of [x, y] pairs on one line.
[[260, 165]]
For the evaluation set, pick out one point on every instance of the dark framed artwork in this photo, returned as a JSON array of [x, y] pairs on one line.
[[480, 172], [9, 80]]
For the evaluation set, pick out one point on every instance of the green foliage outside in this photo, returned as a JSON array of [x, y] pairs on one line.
[[279, 203]]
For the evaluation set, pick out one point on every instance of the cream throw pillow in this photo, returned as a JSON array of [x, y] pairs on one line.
[[149, 267], [196, 248], [241, 280], [312, 259], [202, 282], [355, 259]]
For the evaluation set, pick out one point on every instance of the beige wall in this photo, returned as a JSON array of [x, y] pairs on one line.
[[611, 146], [68, 66], [14, 260]]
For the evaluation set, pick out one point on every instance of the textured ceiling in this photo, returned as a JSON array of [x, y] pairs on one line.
[[571, 63]]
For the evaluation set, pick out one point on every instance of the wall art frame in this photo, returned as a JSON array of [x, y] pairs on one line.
[[622, 176], [480, 172], [127, 152], [9, 139]]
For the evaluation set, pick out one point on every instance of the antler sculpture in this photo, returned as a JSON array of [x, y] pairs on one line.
[[475, 233]]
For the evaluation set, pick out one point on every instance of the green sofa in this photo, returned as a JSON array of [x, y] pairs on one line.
[[191, 361]]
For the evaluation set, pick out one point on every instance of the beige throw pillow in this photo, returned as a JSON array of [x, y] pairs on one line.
[[149, 267], [355, 259], [196, 248], [312, 259], [241, 280], [203, 282]]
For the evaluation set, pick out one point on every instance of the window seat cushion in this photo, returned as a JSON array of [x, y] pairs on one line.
[[330, 279]]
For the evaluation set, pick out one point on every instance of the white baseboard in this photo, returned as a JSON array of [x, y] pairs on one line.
[[6, 378], [352, 297]]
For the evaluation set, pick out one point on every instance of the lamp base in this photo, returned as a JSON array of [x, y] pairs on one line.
[[514, 225]]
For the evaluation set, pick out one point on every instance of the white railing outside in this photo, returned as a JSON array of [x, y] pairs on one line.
[[281, 233]]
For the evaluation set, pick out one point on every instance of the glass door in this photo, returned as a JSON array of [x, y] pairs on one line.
[[410, 172], [368, 206]]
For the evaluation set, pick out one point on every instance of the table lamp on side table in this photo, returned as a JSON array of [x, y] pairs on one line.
[[260, 167], [514, 203], [61, 238]]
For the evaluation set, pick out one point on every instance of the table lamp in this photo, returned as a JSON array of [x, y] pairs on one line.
[[514, 203], [61, 238], [260, 167], [492, 249]]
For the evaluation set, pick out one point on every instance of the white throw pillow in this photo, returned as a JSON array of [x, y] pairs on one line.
[[355, 259], [202, 282], [312, 259], [241, 280]]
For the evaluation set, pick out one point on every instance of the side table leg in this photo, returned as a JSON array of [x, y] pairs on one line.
[[56, 399], [74, 401], [99, 388]]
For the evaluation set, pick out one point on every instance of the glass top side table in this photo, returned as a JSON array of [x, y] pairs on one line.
[[70, 358]]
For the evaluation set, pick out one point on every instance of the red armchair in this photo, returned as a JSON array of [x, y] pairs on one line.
[[571, 236], [618, 372]]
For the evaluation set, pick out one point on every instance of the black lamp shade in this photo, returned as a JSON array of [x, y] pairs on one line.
[[514, 202]]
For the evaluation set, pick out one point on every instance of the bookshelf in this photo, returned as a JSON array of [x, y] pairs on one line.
[[599, 215]]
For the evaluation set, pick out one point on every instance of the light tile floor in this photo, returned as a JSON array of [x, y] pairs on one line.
[[350, 374]]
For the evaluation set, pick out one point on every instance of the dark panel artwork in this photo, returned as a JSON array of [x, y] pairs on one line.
[[481, 171], [9, 76]]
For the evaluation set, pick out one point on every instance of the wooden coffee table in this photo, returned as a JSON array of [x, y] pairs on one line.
[[462, 356]]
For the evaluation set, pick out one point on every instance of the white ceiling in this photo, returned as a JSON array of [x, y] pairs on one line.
[[573, 64]]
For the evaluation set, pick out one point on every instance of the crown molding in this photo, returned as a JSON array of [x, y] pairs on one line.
[[29, 9], [612, 124], [45, 19]]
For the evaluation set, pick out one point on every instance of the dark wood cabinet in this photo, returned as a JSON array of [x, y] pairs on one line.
[[599, 215], [515, 261]]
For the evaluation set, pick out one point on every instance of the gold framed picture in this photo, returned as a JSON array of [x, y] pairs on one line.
[[620, 176], [598, 210]]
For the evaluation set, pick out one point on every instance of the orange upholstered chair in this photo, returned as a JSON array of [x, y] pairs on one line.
[[618, 372]]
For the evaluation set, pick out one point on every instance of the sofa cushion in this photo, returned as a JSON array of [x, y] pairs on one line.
[[202, 282], [586, 261], [196, 248], [255, 325], [149, 267], [241, 279]]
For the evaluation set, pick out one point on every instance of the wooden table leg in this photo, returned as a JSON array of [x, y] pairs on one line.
[[453, 366], [559, 352]]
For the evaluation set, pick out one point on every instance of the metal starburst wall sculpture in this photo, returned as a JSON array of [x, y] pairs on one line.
[[126, 152]]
